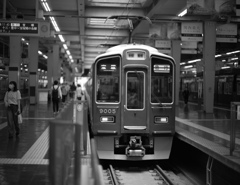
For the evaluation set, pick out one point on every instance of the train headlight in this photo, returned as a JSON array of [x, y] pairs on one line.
[[161, 119], [107, 119]]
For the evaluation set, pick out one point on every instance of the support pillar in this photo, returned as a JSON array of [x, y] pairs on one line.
[[56, 61], [176, 54], [209, 49], [15, 59], [33, 70], [50, 69]]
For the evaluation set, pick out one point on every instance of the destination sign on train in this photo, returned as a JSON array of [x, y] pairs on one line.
[[18, 28]]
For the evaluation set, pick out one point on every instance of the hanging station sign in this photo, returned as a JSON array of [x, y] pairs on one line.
[[25, 28], [163, 46], [227, 33], [191, 31]]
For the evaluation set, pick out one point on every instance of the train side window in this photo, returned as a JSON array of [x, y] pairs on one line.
[[161, 80], [107, 80]]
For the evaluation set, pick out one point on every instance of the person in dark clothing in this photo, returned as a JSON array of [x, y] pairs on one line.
[[186, 95], [72, 90], [56, 96]]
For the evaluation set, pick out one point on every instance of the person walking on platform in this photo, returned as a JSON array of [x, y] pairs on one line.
[[12, 102], [79, 92], [56, 96], [186, 95], [72, 90], [64, 92]]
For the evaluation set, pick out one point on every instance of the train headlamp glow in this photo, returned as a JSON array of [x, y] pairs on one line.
[[161, 120], [107, 119]]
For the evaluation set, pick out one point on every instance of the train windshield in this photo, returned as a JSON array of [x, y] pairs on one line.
[[135, 90], [161, 81], [107, 80]]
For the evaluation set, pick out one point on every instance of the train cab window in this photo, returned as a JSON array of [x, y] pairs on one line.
[[161, 81], [135, 90], [107, 80]]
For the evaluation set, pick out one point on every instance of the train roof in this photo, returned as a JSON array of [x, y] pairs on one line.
[[120, 48]]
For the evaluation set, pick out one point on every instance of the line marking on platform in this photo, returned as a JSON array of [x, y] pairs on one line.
[[39, 149], [208, 130], [24, 161]]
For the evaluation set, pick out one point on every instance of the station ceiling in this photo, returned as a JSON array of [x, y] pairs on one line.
[[88, 28]]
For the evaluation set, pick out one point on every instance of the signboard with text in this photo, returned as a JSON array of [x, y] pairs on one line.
[[25, 28], [191, 31]]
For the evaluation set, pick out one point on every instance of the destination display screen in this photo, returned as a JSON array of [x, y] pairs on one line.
[[158, 68], [18, 28]]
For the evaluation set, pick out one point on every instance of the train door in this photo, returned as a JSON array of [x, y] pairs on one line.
[[135, 112]]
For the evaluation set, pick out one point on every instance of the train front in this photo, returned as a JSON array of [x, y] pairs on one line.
[[133, 104]]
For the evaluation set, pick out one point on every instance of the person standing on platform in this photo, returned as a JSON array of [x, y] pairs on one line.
[[79, 92], [56, 96], [64, 92], [72, 90], [12, 102], [186, 95]]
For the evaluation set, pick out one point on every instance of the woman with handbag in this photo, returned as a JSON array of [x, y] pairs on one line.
[[12, 102]]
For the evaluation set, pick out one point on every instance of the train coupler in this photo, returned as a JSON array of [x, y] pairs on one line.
[[135, 148]]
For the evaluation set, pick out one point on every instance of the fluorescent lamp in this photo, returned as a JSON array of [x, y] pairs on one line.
[[234, 58], [229, 53], [48, 8], [39, 52], [184, 12], [225, 67], [193, 61], [186, 67], [23, 39], [65, 46], [68, 52], [218, 55], [54, 23], [182, 63], [61, 38]]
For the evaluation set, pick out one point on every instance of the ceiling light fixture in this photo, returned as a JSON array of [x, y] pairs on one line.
[[229, 53], [45, 5], [184, 12], [54, 23], [61, 38]]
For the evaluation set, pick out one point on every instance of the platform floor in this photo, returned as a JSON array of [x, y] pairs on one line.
[[208, 132], [24, 160]]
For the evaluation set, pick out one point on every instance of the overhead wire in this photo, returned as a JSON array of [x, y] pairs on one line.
[[118, 28]]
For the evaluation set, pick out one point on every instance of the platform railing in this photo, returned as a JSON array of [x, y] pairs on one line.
[[68, 136], [97, 171], [235, 118], [60, 151]]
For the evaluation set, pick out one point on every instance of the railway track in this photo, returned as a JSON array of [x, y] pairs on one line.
[[153, 175]]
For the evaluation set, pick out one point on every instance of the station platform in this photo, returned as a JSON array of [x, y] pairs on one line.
[[25, 159], [210, 133]]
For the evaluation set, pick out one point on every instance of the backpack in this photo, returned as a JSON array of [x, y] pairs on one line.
[[55, 93]]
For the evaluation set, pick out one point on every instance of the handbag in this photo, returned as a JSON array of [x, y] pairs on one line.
[[20, 118]]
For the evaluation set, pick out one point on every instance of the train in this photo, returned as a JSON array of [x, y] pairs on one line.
[[131, 97], [226, 89]]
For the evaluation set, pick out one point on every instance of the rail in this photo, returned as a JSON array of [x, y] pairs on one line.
[[235, 117]]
